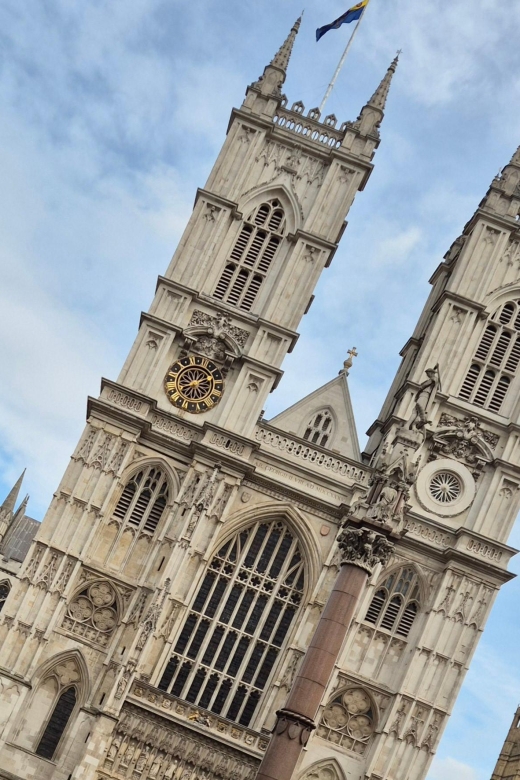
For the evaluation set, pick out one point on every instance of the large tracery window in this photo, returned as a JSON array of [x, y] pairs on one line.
[[238, 623], [144, 499], [395, 603], [252, 255], [496, 359], [319, 429]]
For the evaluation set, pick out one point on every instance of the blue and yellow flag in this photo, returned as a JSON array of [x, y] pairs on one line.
[[351, 15]]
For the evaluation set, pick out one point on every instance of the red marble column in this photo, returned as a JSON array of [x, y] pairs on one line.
[[362, 549]]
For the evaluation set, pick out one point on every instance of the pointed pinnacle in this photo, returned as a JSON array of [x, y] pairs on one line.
[[378, 99], [10, 502], [515, 159], [282, 56]]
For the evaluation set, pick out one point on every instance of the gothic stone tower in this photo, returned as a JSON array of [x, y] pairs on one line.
[[172, 590], [508, 764]]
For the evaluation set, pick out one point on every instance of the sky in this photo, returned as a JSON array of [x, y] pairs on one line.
[[112, 113]]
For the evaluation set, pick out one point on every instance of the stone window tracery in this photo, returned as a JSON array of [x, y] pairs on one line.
[[395, 603], [238, 622], [496, 359], [349, 720], [5, 588], [143, 500], [93, 613], [320, 428], [252, 255], [57, 723]]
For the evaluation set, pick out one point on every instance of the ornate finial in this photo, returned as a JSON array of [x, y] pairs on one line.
[[352, 353], [282, 56], [378, 99]]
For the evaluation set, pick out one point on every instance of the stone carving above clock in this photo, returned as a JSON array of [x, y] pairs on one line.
[[214, 337], [194, 384]]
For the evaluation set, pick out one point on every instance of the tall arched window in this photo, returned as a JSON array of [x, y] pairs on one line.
[[496, 359], [320, 428], [143, 499], [5, 587], [252, 255], [395, 603], [238, 622], [57, 723]]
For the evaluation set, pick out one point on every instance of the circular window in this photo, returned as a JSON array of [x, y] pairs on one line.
[[445, 487]]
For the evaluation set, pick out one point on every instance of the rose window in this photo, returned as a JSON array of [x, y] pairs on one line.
[[349, 720], [445, 487], [93, 613], [194, 383]]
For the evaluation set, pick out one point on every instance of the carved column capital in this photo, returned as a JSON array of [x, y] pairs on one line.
[[364, 548], [295, 726]]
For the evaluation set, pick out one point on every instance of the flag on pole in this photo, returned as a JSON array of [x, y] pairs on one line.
[[351, 15]]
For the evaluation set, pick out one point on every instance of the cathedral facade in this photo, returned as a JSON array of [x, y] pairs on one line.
[[167, 603]]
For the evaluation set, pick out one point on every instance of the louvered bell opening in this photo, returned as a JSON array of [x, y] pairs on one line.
[[391, 613], [484, 388], [486, 342], [152, 521], [262, 214], [507, 313], [469, 382], [514, 356], [269, 253], [126, 499], [376, 605], [241, 242], [517, 321], [224, 281], [276, 220], [238, 286], [251, 293], [407, 618], [140, 507], [499, 394], [57, 723], [500, 350], [255, 249]]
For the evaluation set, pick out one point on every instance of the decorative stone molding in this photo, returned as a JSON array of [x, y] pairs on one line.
[[149, 745], [445, 487], [364, 548], [214, 337], [465, 441], [349, 720], [294, 726], [93, 613]]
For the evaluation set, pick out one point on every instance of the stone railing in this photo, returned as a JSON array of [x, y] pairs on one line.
[[311, 455], [310, 126]]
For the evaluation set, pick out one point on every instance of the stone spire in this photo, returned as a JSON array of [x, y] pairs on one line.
[[371, 116], [283, 55], [10, 502], [269, 85], [503, 195], [378, 99]]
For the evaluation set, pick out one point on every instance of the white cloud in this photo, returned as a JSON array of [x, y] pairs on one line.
[[450, 769]]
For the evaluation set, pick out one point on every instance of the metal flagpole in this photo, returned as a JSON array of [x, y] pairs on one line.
[[341, 62]]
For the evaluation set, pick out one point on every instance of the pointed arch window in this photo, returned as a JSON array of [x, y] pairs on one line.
[[5, 588], [143, 500], [57, 723], [252, 255], [496, 360], [320, 428], [238, 623], [395, 603]]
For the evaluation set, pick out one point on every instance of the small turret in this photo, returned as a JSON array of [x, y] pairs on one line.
[[372, 113], [503, 196]]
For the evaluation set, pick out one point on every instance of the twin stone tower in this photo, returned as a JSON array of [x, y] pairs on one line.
[[216, 597]]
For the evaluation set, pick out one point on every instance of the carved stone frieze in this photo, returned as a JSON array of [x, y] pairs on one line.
[[464, 440], [215, 337], [147, 743]]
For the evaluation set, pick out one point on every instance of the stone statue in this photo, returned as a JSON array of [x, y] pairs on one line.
[[424, 399]]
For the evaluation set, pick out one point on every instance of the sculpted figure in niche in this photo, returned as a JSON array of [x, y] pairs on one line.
[[424, 399]]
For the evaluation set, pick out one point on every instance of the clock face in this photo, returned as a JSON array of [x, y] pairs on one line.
[[194, 384]]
